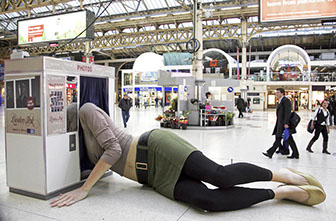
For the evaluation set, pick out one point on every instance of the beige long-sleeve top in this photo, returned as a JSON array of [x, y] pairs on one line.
[[103, 139]]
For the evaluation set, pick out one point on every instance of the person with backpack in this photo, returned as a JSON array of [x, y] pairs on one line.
[[322, 126]]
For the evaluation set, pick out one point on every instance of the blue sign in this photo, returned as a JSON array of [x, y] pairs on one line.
[[230, 89], [127, 89], [148, 89], [185, 88], [175, 89], [168, 89]]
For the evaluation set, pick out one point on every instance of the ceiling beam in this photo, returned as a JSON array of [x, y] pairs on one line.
[[9, 6]]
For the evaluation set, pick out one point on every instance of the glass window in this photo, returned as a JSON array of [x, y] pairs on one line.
[[128, 79]]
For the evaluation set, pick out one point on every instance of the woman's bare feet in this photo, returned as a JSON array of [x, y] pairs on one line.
[[289, 192], [287, 176]]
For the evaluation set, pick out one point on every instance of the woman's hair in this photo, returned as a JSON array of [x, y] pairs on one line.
[[207, 94], [324, 101]]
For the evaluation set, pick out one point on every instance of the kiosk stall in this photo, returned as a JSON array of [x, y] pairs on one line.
[[222, 103], [45, 152]]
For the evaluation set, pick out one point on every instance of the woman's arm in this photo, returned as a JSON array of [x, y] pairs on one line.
[[80, 193]]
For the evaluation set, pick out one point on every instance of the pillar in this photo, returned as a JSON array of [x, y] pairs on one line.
[[244, 41]]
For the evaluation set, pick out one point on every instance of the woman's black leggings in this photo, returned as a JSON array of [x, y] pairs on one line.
[[321, 129], [227, 196]]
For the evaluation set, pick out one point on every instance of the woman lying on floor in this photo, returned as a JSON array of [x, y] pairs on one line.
[[176, 169]]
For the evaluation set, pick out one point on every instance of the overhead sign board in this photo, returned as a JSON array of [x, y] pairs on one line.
[[55, 28], [288, 10]]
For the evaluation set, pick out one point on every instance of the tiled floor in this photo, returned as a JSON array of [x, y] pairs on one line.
[[116, 198]]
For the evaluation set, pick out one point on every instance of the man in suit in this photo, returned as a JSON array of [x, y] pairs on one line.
[[240, 106], [283, 113]]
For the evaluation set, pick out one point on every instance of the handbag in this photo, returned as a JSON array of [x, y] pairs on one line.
[[285, 134], [294, 120], [309, 126]]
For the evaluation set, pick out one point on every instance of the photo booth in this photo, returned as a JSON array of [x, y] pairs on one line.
[[45, 149]]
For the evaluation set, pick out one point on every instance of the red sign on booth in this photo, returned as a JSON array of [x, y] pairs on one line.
[[91, 59]]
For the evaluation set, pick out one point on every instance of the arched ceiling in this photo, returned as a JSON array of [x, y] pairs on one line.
[[161, 26]]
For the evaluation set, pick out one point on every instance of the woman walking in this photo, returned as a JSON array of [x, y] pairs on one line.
[[322, 116]]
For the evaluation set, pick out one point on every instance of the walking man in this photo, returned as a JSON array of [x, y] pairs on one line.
[[240, 105], [125, 104], [283, 113]]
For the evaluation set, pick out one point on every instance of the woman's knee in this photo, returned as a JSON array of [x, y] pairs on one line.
[[315, 138], [205, 202]]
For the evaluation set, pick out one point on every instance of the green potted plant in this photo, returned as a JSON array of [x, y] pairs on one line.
[[229, 118]]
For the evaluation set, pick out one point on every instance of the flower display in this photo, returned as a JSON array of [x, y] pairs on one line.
[[174, 120]]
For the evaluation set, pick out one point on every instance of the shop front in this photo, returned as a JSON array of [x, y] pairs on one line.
[[143, 86], [330, 91], [298, 97]]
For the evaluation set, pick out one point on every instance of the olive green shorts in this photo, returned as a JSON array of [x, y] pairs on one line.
[[167, 154]]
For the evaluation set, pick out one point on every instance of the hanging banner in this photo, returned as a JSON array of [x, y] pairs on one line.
[[56, 104], [238, 71], [2, 71], [289, 10], [249, 67]]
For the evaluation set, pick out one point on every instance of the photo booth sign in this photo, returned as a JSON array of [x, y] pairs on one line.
[[56, 104]]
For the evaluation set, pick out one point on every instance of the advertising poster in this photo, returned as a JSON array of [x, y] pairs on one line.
[[24, 121], [52, 28], [22, 92], [282, 10], [23, 112], [56, 122], [149, 76]]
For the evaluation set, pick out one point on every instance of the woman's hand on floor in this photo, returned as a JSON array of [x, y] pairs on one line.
[[69, 198]]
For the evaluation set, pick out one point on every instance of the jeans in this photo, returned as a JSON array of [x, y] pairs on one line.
[[125, 116], [227, 196]]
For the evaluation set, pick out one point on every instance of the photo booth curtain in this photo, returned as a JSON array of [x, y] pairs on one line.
[[92, 90]]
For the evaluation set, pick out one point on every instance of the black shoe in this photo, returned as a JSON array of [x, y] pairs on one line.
[[285, 152], [125, 126], [309, 150], [325, 151], [293, 157], [267, 155], [278, 151]]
